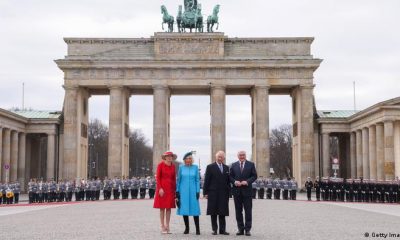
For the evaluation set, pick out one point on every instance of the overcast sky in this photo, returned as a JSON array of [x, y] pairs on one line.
[[358, 41]]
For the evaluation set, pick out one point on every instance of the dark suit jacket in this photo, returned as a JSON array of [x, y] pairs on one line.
[[249, 175], [217, 187]]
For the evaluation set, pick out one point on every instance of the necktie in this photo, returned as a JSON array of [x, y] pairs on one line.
[[220, 167], [241, 167]]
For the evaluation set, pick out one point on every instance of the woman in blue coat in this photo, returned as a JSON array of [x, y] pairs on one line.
[[188, 192]]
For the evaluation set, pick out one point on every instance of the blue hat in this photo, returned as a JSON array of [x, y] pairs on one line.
[[187, 155]]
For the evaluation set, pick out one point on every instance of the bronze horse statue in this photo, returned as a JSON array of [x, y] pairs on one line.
[[168, 19], [213, 19]]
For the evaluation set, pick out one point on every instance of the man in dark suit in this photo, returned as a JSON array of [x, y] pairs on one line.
[[242, 175], [216, 189]]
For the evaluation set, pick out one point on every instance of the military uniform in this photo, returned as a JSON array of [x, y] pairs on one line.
[[107, 187], [285, 188], [143, 187], [317, 186], [293, 189], [152, 187], [277, 189], [261, 188], [134, 188], [269, 188], [254, 188], [309, 186]]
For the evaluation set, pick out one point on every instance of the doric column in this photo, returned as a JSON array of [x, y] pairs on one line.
[[161, 117], [359, 156], [303, 161], [353, 154], [260, 129], [21, 160], [365, 153], [75, 132], [1, 153], [380, 152], [50, 156], [389, 150], [372, 152], [14, 156], [326, 158], [6, 154], [397, 148], [218, 119], [118, 141]]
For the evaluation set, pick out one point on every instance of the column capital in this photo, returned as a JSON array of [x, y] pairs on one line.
[[111, 87], [71, 87], [262, 86], [160, 87], [218, 86], [307, 86]]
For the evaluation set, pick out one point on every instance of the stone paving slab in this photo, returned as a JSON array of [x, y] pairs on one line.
[[136, 219]]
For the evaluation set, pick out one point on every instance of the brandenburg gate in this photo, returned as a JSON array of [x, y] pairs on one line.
[[186, 64]]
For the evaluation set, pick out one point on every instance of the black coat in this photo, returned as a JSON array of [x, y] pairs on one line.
[[249, 174], [217, 187]]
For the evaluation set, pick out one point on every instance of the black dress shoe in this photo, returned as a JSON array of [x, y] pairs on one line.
[[214, 233], [240, 233], [248, 233], [224, 233]]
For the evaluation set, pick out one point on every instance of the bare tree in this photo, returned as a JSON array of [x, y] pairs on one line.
[[140, 152], [281, 151], [140, 155]]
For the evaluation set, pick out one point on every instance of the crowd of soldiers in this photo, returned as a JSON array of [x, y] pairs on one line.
[[354, 190], [274, 188], [40, 191], [9, 192]]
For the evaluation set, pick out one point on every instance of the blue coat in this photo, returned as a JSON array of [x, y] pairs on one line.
[[188, 184]]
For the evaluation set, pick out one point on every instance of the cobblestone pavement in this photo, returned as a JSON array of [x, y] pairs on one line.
[[136, 219]]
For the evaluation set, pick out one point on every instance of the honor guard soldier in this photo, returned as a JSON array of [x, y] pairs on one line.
[[261, 187], [17, 191], [277, 189], [317, 186], [45, 189], [62, 191], [107, 187], [30, 191], [87, 190], [254, 187], [293, 190], [9, 195], [39, 192], [76, 191], [285, 187], [69, 188], [98, 188], [124, 188], [152, 187], [309, 186], [93, 189], [135, 187], [269, 188], [347, 185], [374, 191], [143, 187], [115, 188], [53, 189]]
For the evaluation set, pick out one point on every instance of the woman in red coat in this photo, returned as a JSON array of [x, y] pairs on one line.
[[165, 190]]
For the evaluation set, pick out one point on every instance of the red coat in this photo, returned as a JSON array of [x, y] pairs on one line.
[[166, 179]]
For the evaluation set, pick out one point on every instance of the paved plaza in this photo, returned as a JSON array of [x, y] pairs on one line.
[[136, 219]]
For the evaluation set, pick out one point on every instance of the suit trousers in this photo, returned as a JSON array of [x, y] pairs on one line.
[[222, 223], [246, 203]]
